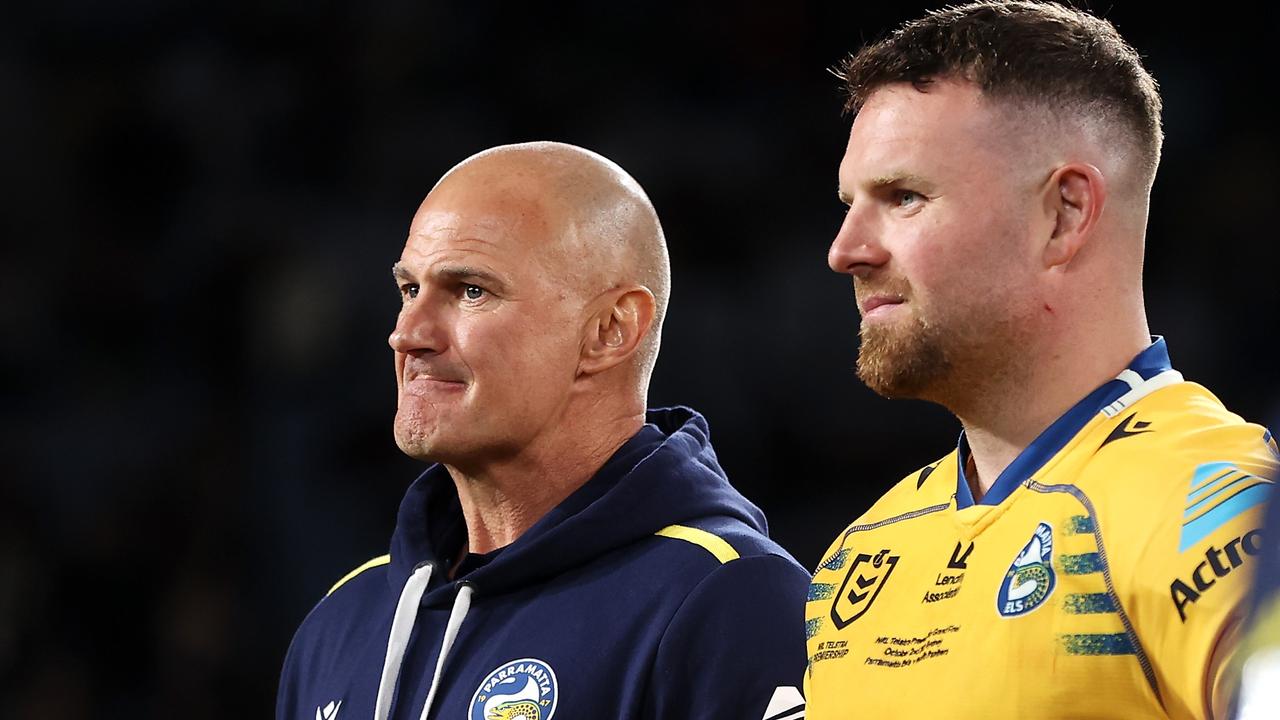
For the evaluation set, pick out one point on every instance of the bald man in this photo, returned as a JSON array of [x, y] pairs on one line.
[[567, 554], [1083, 551]]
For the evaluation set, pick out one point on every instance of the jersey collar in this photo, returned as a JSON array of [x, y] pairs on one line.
[[1149, 363]]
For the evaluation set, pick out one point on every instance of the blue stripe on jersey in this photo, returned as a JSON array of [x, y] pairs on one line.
[[1083, 564], [1079, 525], [836, 561], [1089, 603], [1097, 644], [1200, 528], [1149, 363], [821, 591], [1207, 474], [1134, 642], [811, 627], [1225, 490]]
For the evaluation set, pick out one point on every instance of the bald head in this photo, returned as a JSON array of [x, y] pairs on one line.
[[595, 228]]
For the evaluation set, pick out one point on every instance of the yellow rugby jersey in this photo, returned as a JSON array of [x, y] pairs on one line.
[[1094, 580]]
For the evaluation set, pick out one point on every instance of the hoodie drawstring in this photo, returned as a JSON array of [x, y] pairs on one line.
[[461, 604], [402, 629]]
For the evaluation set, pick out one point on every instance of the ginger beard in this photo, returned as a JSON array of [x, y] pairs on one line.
[[913, 356], [947, 355], [902, 360]]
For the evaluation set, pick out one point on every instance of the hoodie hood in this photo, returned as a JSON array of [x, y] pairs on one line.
[[654, 553], [666, 474]]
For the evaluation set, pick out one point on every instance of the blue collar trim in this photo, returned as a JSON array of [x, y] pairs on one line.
[[1149, 363]]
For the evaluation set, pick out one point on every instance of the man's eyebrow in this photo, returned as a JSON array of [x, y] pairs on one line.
[[456, 273], [903, 178], [887, 180], [468, 272]]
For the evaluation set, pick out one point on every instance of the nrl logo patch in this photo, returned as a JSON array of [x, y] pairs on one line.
[[524, 689], [862, 585], [1030, 579]]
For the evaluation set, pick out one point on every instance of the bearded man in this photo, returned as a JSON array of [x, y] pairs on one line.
[[1084, 550]]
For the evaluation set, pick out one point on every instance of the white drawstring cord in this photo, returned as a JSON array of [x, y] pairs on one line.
[[461, 604], [401, 629]]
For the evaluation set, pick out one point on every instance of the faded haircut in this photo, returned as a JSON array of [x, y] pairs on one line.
[[1040, 54]]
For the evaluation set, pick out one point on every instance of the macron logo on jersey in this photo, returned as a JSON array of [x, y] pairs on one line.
[[786, 704], [1220, 491], [329, 712]]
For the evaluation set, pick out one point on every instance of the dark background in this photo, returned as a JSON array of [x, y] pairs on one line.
[[202, 203]]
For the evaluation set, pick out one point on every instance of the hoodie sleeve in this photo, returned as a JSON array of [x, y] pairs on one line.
[[735, 649], [287, 692], [293, 675]]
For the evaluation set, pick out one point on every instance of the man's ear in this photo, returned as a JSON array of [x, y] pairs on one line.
[[1073, 201], [617, 327]]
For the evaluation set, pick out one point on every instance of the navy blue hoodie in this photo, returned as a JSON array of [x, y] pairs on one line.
[[652, 591]]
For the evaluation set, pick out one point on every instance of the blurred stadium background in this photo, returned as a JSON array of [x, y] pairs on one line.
[[202, 203]]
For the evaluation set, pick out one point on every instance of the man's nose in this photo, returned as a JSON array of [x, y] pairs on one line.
[[419, 328], [857, 249]]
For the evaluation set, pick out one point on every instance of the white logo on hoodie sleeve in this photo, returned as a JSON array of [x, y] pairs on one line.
[[330, 711], [786, 704]]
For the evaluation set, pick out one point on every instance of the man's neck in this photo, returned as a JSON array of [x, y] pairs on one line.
[[1001, 422], [502, 500]]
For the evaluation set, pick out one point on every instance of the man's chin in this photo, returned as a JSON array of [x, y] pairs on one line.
[[417, 444], [901, 365], [890, 384], [415, 450]]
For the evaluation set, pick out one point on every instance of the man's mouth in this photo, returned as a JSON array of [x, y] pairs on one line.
[[424, 375], [877, 305], [423, 384]]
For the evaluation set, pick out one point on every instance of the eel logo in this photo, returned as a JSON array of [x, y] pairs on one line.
[[1030, 579], [862, 585], [524, 689]]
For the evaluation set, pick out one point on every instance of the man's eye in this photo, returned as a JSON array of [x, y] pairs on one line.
[[409, 290], [473, 292], [907, 198]]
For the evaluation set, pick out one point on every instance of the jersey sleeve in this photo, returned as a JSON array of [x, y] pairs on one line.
[[736, 647], [1189, 582]]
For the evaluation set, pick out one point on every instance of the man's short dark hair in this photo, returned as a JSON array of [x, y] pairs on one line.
[[1040, 53]]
